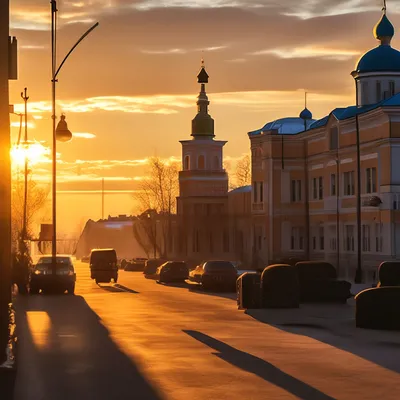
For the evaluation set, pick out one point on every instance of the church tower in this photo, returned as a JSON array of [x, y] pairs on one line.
[[203, 185], [377, 73]]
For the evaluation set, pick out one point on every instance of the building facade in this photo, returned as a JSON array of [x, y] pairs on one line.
[[305, 174]]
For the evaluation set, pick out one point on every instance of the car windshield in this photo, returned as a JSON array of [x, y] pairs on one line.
[[103, 256], [216, 266], [60, 261], [177, 265]]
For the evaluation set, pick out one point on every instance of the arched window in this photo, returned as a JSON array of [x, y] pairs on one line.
[[201, 162], [186, 163], [216, 162]]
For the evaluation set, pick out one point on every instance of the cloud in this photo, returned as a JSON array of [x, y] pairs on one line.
[[84, 135], [310, 52], [172, 104]]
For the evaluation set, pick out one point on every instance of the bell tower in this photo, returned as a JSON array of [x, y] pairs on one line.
[[203, 183]]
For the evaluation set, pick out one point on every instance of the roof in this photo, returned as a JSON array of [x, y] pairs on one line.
[[352, 111], [241, 189], [284, 126], [383, 58]]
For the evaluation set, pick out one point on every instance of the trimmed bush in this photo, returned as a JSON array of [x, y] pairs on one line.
[[378, 308], [389, 273], [318, 283], [280, 286], [248, 290]]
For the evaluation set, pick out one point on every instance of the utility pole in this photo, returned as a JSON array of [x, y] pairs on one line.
[[24, 223], [5, 177], [102, 198]]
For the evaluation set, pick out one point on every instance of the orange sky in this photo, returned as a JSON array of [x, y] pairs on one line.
[[129, 90]]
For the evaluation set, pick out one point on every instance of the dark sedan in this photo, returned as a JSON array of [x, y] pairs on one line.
[[215, 275], [172, 271], [46, 276]]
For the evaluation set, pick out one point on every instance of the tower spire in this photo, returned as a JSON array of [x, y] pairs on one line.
[[384, 30], [202, 124]]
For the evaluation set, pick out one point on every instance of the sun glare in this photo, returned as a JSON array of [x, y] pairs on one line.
[[34, 152]]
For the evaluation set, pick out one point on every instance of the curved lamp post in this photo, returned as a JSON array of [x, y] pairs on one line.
[[61, 132]]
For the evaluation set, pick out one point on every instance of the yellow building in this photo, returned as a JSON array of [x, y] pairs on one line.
[[305, 174]]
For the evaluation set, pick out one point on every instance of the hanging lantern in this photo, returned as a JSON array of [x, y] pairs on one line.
[[62, 132]]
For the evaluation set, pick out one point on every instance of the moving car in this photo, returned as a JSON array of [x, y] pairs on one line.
[[103, 265], [215, 275], [137, 264], [151, 266], [172, 271], [46, 276]]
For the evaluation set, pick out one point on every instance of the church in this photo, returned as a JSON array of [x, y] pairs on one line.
[[329, 189]]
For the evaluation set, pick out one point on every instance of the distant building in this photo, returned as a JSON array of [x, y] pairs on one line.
[[114, 232], [304, 173]]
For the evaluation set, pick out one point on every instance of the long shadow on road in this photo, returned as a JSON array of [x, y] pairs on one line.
[[65, 353], [379, 347], [260, 367]]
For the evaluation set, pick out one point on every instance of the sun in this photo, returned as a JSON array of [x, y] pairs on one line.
[[34, 152]]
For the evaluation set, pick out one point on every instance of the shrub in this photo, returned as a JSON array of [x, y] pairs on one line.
[[318, 283], [248, 291], [378, 308], [389, 273], [280, 286]]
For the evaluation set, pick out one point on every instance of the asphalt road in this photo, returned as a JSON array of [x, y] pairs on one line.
[[142, 340]]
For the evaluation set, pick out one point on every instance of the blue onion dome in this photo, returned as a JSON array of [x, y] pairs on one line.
[[306, 114], [384, 28], [382, 58]]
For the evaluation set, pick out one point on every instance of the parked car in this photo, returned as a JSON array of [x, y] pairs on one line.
[[103, 265], [215, 275], [172, 271], [46, 276], [151, 266], [137, 264]]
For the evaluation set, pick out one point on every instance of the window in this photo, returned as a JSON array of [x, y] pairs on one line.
[[333, 185], [216, 163], [348, 183], [186, 164], [366, 238], [371, 180], [349, 238], [392, 88], [314, 188], [378, 237], [364, 93], [297, 239], [261, 192], [320, 187], [258, 192], [226, 241], [333, 138], [195, 241], [200, 162], [378, 91], [296, 190], [321, 238]]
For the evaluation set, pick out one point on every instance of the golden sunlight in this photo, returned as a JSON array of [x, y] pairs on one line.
[[34, 152]]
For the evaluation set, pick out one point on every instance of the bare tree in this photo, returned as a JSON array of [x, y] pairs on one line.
[[158, 192], [36, 202], [243, 171]]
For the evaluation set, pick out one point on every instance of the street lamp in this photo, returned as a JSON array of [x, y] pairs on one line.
[[60, 133]]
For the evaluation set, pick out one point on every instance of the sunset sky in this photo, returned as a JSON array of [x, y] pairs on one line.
[[129, 90]]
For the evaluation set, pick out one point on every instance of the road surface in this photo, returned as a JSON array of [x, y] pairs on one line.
[[142, 340]]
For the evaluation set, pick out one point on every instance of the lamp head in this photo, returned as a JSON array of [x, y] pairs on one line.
[[62, 132]]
